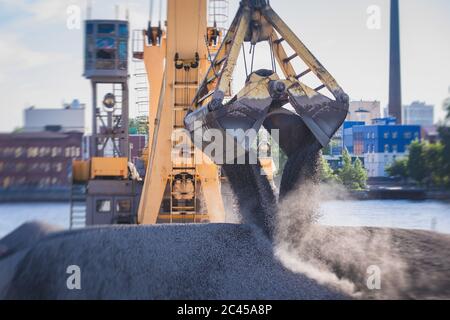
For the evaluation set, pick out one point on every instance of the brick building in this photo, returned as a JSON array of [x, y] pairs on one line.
[[40, 160]]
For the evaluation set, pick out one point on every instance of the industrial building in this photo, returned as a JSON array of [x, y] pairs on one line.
[[364, 111], [382, 143], [37, 161], [348, 134], [69, 118], [418, 113]]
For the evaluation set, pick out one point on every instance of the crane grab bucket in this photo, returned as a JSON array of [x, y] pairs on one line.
[[262, 99]]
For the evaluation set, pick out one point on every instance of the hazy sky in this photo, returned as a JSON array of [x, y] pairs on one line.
[[41, 59]]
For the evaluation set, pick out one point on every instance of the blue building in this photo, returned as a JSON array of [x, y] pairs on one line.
[[348, 134], [382, 143]]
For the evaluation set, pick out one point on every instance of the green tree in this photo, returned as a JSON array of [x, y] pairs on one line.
[[138, 125], [434, 164], [327, 174], [399, 169], [352, 175], [444, 133], [416, 162], [360, 175], [346, 172], [447, 108]]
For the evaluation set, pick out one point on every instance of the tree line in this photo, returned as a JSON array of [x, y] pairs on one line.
[[352, 173], [427, 164]]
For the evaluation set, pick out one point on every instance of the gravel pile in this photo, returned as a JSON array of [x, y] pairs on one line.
[[214, 261]]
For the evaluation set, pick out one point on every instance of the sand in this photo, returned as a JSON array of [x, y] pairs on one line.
[[220, 261]]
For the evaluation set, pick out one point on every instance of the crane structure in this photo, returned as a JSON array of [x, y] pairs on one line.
[[176, 59], [302, 132], [190, 66]]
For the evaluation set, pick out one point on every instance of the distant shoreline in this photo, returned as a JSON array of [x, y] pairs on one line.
[[63, 196]]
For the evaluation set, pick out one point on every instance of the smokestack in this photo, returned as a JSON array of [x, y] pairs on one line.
[[395, 87]]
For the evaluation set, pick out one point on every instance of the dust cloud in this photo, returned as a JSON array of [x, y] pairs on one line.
[[338, 257]]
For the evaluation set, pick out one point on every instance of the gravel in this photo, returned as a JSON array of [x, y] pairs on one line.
[[210, 261]]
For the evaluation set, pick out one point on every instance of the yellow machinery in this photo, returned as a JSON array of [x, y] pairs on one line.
[[192, 85], [190, 65], [303, 129], [176, 60]]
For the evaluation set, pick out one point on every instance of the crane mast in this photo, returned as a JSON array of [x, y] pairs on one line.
[[176, 187]]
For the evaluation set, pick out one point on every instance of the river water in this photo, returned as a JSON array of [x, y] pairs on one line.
[[424, 215]]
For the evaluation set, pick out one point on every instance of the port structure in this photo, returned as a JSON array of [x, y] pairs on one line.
[[176, 187], [112, 194]]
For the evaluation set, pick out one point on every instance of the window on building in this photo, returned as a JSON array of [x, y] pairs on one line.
[[20, 167], [44, 182], [123, 206], [58, 167], [373, 135], [89, 28], [6, 182], [394, 135], [123, 30], [106, 43], [106, 54], [56, 152], [407, 135], [386, 148], [19, 152], [394, 148], [106, 28], [386, 135], [8, 152], [33, 152], [368, 135], [103, 206], [123, 50], [45, 167], [44, 152]]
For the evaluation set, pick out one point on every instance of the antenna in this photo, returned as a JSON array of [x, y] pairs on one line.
[[150, 12], [89, 10], [117, 10], [160, 11]]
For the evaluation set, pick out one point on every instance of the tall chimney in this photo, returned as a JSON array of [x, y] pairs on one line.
[[395, 86]]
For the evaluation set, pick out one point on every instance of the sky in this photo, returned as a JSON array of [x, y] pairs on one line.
[[41, 59]]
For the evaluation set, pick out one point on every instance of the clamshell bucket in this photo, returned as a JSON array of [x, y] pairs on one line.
[[233, 127]]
